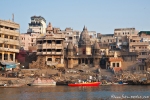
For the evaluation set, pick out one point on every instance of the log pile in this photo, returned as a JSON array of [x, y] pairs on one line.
[[40, 63]]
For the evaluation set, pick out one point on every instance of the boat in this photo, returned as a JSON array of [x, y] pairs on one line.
[[108, 83], [42, 82], [104, 82], [12, 86], [85, 84], [119, 83], [62, 82]]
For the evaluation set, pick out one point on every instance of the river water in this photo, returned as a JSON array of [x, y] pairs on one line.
[[121, 92]]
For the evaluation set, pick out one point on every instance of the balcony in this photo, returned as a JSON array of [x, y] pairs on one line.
[[9, 50], [9, 24], [9, 41], [50, 46], [9, 32], [39, 46], [138, 43], [58, 53], [51, 63], [39, 53]]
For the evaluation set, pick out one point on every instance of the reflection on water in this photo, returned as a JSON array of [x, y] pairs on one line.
[[72, 93]]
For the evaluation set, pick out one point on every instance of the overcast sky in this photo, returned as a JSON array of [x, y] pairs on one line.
[[102, 16]]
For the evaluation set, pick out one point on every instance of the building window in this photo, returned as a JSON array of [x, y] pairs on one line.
[[16, 47], [11, 37], [5, 56], [57, 60], [15, 38], [120, 40], [58, 50], [11, 46], [1, 45], [139, 47], [5, 36], [58, 42], [117, 64], [49, 59], [49, 42], [11, 57], [113, 64], [5, 45]]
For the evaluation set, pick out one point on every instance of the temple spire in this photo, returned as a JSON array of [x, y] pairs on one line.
[[115, 55]]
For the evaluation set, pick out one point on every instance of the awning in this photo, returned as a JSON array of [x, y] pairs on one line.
[[9, 64]]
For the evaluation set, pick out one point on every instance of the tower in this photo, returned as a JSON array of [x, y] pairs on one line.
[[70, 55], [96, 49], [84, 43]]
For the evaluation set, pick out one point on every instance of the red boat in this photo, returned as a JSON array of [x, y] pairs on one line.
[[85, 84]]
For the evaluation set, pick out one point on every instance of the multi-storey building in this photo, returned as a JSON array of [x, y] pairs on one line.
[[37, 27], [71, 36], [9, 43], [122, 36], [145, 37], [51, 49]]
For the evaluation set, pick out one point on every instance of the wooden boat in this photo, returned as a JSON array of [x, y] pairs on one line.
[[43, 82], [85, 84], [12, 86], [119, 83], [62, 83], [109, 83]]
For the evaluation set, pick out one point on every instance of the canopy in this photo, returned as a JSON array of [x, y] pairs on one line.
[[9, 64]]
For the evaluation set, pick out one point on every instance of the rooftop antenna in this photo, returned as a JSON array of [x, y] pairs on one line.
[[13, 17]]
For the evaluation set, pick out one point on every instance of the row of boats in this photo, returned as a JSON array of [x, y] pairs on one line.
[[43, 82], [50, 82]]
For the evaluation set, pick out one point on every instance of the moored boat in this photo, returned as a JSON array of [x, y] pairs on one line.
[[12, 86], [43, 82], [85, 84]]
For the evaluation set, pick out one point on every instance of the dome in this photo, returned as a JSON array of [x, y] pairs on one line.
[[70, 46], [84, 37]]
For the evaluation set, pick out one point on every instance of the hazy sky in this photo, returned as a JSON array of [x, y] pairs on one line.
[[102, 16]]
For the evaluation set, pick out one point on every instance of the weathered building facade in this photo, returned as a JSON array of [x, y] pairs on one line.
[[37, 27], [50, 50], [9, 43]]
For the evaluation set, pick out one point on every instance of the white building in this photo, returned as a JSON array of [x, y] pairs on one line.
[[37, 25]]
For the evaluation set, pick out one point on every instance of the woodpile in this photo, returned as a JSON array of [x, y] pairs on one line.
[[40, 63]]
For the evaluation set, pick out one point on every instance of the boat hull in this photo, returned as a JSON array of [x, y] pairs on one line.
[[12, 86], [43, 84], [85, 84]]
